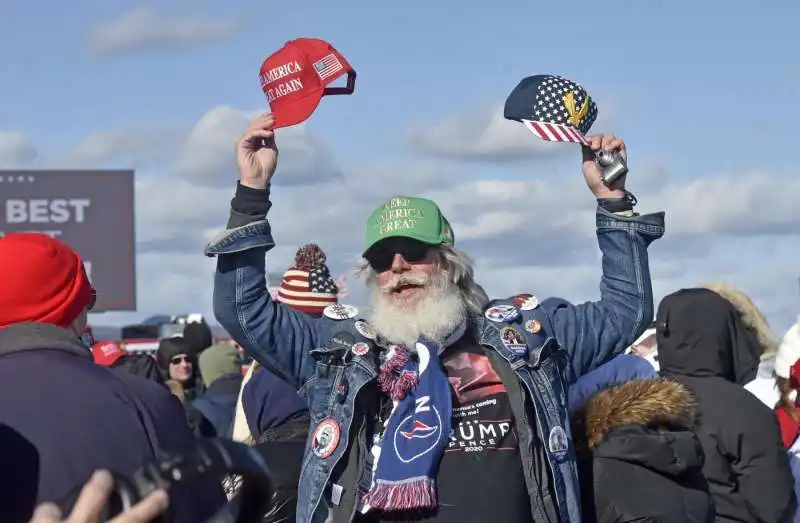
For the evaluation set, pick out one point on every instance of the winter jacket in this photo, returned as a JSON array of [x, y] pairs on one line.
[[705, 344], [142, 365], [217, 405], [268, 402], [638, 459], [81, 417], [219, 367], [624, 367]]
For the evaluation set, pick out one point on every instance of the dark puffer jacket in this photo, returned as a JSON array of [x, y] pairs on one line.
[[638, 460], [706, 343]]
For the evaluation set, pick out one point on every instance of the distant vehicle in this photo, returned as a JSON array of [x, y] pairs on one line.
[[158, 319], [144, 337]]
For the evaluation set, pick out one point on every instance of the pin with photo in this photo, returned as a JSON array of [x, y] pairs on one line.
[[502, 313], [325, 438]]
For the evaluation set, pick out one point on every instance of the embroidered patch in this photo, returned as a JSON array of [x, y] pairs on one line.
[[557, 442], [502, 313], [325, 438], [533, 326], [366, 330], [340, 312], [513, 341], [530, 303], [360, 348]]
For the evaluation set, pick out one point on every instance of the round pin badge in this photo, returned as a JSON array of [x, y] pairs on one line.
[[325, 438], [360, 348], [519, 299], [513, 341], [533, 326], [529, 303], [340, 312], [366, 330], [502, 313]]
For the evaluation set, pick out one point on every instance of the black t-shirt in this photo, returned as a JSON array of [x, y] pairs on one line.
[[480, 477]]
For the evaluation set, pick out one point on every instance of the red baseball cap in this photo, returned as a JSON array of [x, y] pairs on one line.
[[296, 77], [106, 353]]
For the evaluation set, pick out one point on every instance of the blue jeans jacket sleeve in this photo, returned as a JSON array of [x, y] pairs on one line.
[[593, 332], [619, 370], [277, 336]]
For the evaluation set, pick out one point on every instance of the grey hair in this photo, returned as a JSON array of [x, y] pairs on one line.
[[458, 267]]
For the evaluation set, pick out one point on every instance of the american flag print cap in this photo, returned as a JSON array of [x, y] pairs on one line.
[[552, 107]]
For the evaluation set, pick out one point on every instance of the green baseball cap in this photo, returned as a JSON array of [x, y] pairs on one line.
[[409, 217]]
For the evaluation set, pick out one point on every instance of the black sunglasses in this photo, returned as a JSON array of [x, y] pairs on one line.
[[179, 359], [381, 256]]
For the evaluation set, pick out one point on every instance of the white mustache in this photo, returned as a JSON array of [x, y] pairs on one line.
[[399, 280]]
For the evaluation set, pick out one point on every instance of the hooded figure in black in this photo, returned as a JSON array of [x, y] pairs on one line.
[[637, 456], [704, 344], [139, 365]]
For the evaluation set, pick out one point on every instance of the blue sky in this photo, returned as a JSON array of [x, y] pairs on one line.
[[705, 95]]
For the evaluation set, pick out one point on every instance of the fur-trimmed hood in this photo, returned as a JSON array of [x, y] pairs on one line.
[[655, 403], [645, 423], [751, 315]]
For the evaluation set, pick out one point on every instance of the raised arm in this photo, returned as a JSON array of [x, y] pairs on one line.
[[277, 336], [593, 332]]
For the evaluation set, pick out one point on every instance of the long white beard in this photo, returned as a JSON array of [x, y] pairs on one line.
[[435, 316]]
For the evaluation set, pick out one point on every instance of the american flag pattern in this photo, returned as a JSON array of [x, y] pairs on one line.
[[560, 104], [313, 290], [328, 66]]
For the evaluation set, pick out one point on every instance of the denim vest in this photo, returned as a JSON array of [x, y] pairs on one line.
[[329, 481]]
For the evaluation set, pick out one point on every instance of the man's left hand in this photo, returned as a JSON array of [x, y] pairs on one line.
[[593, 173]]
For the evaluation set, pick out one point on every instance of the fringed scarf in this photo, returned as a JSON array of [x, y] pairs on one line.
[[416, 433]]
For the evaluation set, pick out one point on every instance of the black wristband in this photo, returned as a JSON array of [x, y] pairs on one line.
[[251, 202], [615, 205]]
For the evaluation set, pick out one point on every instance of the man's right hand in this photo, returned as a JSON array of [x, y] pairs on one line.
[[257, 153]]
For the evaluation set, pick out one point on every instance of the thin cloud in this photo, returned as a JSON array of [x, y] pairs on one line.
[[142, 29]]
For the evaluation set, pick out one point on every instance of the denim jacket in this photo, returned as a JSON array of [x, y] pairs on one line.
[[572, 340]]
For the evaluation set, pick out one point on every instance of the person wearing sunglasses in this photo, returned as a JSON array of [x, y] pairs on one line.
[[436, 404]]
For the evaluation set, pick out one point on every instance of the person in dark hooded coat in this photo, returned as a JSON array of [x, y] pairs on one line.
[[142, 365], [78, 416], [198, 337], [704, 344], [637, 457]]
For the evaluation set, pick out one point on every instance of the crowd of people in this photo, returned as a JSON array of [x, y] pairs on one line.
[[435, 404]]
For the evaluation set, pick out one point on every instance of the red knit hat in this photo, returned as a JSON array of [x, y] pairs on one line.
[[42, 280], [106, 353], [308, 285]]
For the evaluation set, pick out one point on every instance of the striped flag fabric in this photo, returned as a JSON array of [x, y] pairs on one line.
[[309, 291], [553, 132], [328, 66]]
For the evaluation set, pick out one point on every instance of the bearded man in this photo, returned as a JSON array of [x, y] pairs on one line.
[[440, 405]]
